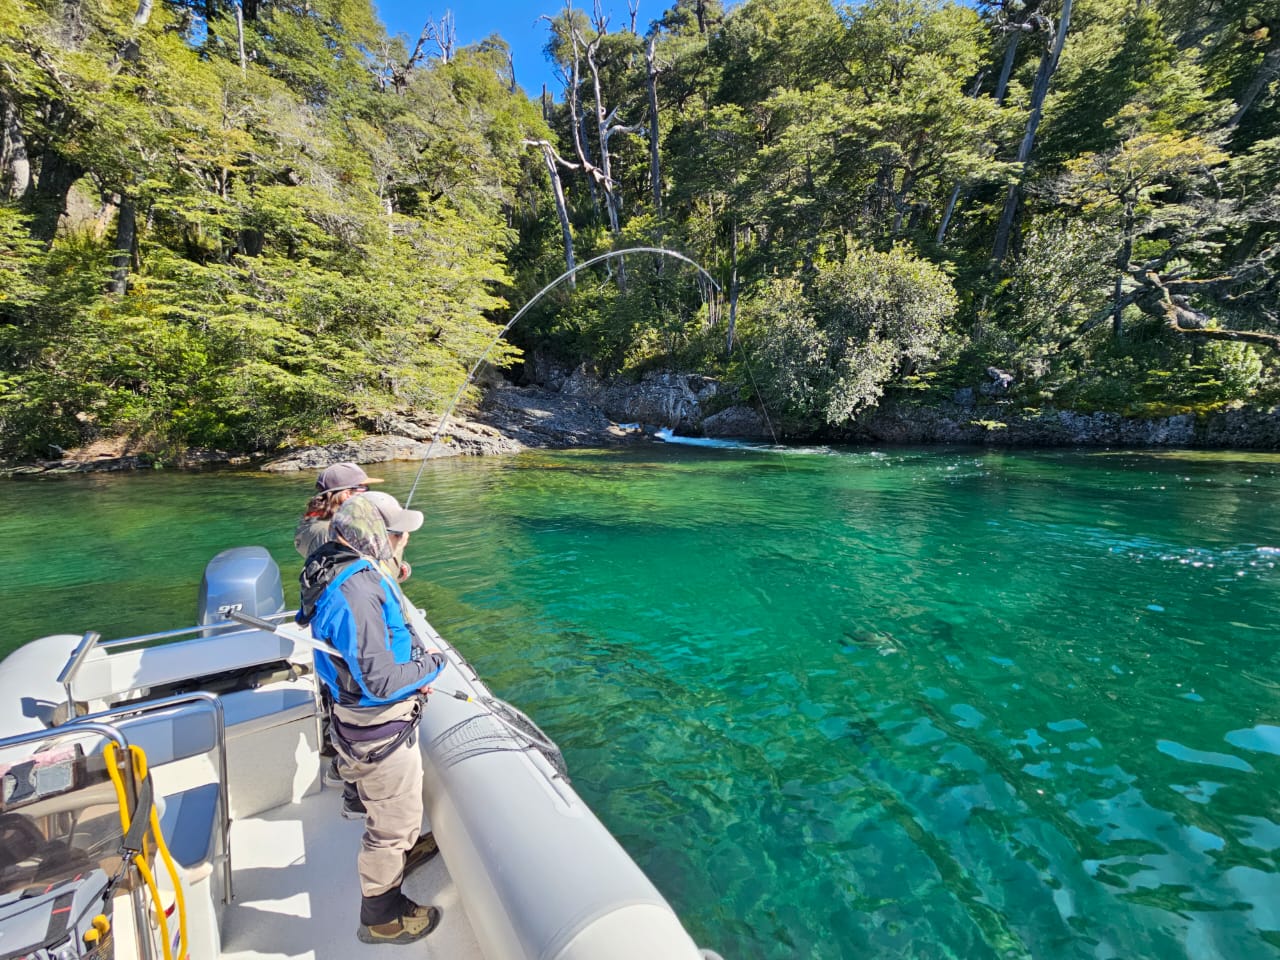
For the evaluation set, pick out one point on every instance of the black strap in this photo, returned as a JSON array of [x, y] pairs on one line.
[[345, 745], [132, 842], [59, 915]]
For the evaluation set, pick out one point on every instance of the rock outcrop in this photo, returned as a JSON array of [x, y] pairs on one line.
[[1005, 425], [583, 410]]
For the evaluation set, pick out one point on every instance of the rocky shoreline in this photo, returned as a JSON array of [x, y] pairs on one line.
[[510, 419], [578, 409]]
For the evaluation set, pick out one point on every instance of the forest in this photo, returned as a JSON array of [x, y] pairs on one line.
[[252, 224]]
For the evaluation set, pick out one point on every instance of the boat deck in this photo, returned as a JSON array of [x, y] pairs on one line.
[[297, 895]]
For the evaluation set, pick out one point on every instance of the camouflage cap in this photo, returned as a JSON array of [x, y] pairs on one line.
[[360, 524]]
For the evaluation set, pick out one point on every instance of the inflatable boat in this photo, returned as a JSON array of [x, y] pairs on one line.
[[163, 799]]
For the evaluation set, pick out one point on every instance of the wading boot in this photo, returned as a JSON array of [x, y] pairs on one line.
[[414, 923], [422, 851], [352, 805]]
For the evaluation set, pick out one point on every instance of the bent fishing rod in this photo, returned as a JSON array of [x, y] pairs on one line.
[[444, 418]]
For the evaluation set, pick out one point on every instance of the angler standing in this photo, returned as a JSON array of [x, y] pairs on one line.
[[335, 485], [378, 688]]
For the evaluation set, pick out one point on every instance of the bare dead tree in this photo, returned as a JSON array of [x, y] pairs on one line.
[[1029, 20], [1167, 295], [572, 84], [655, 161], [606, 128], [554, 162], [444, 34], [1170, 297], [240, 35]]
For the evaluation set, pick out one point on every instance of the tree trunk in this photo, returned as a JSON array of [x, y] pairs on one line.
[[48, 201], [1006, 68], [1248, 243], [577, 123], [955, 193], [900, 195], [655, 162], [562, 210], [1122, 264], [1048, 64], [733, 290], [15, 166], [1267, 71], [606, 159], [612, 202], [585, 158], [946, 215], [240, 36], [126, 238]]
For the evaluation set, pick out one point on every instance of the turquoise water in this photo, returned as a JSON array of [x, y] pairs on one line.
[[838, 704]]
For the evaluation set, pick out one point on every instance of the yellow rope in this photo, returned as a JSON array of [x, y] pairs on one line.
[[139, 761]]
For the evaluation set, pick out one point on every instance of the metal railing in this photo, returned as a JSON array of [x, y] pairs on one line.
[[141, 916], [92, 640], [139, 708]]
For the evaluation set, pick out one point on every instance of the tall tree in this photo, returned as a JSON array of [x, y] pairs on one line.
[[1044, 75]]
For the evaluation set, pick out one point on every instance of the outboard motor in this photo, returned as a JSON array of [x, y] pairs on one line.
[[242, 575]]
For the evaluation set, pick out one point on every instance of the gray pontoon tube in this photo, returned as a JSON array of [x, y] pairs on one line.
[[541, 877]]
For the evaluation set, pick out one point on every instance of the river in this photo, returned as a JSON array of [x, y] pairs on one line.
[[838, 703]]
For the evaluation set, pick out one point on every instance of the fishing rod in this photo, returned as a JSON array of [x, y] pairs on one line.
[[444, 418]]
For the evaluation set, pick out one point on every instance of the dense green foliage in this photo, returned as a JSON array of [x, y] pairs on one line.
[[205, 247], [250, 256]]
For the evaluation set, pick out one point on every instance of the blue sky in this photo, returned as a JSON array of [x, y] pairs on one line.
[[516, 21]]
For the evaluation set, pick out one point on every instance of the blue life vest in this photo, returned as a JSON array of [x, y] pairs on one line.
[[332, 621]]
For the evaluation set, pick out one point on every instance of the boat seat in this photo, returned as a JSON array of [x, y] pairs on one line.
[[273, 728], [189, 803], [183, 738], [173, 733], [250, 711], [188, 825]]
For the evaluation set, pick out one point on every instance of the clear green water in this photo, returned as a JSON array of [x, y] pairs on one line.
[[837, 704]]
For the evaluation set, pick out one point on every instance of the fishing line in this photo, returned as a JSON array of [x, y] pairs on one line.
[[759, 396], [444, 418]]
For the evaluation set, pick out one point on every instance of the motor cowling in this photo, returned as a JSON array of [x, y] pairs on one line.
[[247, 576]]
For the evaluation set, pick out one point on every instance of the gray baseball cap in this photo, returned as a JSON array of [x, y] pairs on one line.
[[396, 517], [343, 476]]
